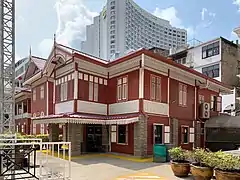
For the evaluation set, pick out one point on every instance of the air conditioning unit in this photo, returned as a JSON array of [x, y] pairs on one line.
[[205, 110]]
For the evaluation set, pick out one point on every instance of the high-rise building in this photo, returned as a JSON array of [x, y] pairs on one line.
[[20, 69], [123, 26]]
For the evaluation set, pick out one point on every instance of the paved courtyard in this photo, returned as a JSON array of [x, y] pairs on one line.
[[105, 168]]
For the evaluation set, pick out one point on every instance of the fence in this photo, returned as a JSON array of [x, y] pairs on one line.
[[34, 159]]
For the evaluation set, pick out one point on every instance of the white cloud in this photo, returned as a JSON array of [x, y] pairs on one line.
[[237, 2], [73, 16], [203, 13], [207, 17], [45, 47], [171, 14]]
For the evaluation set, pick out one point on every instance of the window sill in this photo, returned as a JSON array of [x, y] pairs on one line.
[[154, 100], [124, 100], [122, 144], [184, 106]]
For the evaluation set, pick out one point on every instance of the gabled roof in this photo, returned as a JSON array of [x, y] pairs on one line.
[[39, 62], [36, 64]]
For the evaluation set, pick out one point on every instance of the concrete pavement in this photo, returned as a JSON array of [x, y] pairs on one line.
[[105, 168]]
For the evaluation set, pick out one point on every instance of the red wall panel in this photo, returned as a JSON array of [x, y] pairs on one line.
[[50, 97], [181, 123], [129, 148], [150, 122], [176, 110], [133, 87], [39, 105], [147, 85], [83, 90]]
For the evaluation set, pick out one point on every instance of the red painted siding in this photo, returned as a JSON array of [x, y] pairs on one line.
[[83, 90], [181, 123], [70, 94], [150, 122], [50, 98], [177, 111], [133, 87], [39, 105], [102, 93], [129, 148], [27, 126], [147, 85]]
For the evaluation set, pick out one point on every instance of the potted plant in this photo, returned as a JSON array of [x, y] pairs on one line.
[[202, 165], [179, 163], [227, 166]]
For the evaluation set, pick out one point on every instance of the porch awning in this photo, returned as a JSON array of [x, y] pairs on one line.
[[86, 119]]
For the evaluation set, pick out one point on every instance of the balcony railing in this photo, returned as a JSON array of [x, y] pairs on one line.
[[24, 115]]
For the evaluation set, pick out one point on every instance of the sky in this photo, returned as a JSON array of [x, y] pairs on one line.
[[38, 20]]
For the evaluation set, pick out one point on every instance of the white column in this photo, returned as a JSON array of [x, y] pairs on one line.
[[141, 79], [75, 84]]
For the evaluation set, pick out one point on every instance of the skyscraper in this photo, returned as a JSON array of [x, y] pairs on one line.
[[123, 26]]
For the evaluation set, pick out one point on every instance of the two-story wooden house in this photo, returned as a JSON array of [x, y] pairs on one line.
[[35, 66], [123, 106]]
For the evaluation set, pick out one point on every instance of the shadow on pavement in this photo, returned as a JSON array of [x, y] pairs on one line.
[[117, 162]]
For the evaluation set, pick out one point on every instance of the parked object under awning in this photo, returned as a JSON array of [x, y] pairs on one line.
[[86, 119]]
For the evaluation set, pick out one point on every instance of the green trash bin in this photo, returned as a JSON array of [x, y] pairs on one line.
[[159, 153]]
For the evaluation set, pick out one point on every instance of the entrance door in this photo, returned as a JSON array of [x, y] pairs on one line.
[[158, 134], [94, 138]]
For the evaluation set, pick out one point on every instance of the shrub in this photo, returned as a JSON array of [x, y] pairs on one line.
[[201, 157], [44, 137], [177, 154], [226, 162]]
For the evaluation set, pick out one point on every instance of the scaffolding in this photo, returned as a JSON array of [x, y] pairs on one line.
[[7, 65]]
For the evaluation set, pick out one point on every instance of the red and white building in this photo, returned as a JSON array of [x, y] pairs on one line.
[[23, 99], [123, 106]]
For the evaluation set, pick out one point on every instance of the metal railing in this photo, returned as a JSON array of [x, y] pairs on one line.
[[51, 161]]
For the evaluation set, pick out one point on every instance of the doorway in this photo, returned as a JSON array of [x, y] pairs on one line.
[[158, 134], [94, 138]]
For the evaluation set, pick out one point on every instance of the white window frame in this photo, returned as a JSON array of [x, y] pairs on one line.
[[122, 88], [34, 129], [155, 88], [34, 94], [126, 135], [22, 128], [182, 138], [42, 92], [90, 97], [182, 99], [42, 128], [95, 91], [201, 98], [64, 91]]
